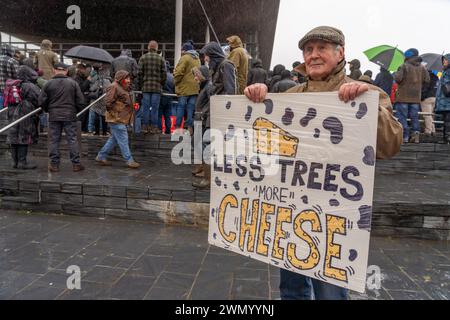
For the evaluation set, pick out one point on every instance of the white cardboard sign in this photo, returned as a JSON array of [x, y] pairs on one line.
[[292, 182]]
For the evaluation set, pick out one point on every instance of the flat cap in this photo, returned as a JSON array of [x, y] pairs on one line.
[[324, 33], [61, 66]]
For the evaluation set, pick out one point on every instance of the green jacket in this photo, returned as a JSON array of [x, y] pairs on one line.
[[185, 84], [239, 58], [152, 74]]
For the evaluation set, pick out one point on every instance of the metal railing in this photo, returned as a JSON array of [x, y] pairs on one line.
[[9, 126]]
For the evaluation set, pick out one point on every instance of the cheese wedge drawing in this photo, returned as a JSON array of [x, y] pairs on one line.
[[272, 140]]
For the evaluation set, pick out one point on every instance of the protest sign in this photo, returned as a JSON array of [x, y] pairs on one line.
[[292, 182]]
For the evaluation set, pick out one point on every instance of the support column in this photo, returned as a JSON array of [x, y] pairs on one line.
[[178, 30], [207, 35]]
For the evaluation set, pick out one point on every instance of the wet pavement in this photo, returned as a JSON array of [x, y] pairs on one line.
[[133, 260]]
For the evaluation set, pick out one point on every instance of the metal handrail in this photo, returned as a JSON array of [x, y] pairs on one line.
[[20, 120], [90, 106], [3, 110]]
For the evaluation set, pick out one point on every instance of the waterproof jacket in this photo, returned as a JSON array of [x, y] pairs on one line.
[[443, 92], [185, 84], [384, 80], [285, 84], [152, 72], [257, 74], [239, 57], [429, 90], [8, 66], [202, 104], [355, 72], [410, 78], [277, 70], [26, 132], [45, 60], [119, 106], [223, 71], [390, 131], [125, 62], [62, 98]]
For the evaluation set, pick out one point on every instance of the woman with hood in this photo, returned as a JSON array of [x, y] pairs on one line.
[[26, 132], [45, 59], [119, 114], [223, 82], [443, 97]]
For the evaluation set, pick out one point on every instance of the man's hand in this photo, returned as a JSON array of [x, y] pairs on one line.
[[256, 92], [349, 91]]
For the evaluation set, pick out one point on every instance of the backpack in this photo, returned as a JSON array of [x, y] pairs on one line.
[[12, 94]]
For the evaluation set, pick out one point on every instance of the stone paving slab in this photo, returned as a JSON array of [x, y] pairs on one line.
[[135, 260]]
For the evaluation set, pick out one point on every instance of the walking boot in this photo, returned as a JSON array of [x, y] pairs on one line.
[[206, 181], [415, 138], [78, 167], [22, 155], [14, 155], [197, 169], [53, 168], [133, 165]]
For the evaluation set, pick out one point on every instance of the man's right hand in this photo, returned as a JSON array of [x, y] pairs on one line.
[[256, 92]]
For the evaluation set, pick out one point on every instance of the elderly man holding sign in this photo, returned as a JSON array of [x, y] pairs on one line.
[[324, 54]]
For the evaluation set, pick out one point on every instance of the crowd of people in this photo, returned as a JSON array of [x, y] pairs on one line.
[[63, 91], [39, 81]]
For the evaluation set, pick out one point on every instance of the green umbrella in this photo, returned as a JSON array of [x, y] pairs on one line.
[[386, 56]]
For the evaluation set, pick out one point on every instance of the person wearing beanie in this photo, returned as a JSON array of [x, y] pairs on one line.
[[324, 54], [45, 59], [411, 77], [119, 114], [186, 88], [239, 57], [257, 74]]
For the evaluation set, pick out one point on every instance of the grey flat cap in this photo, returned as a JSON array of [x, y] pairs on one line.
[[324, 33]]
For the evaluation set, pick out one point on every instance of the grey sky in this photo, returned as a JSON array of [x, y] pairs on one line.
[[422, 24]]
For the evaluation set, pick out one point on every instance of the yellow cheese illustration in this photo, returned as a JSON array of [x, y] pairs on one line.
[[272, 140]]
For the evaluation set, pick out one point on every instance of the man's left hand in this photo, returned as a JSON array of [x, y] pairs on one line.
[[349, 91]]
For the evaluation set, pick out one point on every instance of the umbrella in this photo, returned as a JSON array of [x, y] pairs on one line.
[[89, 53], [433, 61], [386, 56]]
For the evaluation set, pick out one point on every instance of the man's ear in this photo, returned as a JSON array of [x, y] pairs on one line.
[[341, 53]]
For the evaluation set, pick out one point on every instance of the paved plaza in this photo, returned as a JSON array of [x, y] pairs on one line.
[[136, 260]]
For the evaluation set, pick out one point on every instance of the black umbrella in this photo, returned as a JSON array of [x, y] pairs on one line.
[[433, 61], [89, 53]]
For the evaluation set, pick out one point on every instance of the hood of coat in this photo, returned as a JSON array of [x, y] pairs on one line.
[[257, 63], [121, 75], [235, 42], [355, 64], [6, 50], [127, 53], [193, 53], [27, 74], [214, 51], [415, 61], [286, 74], [447, 57], [278, 69], [46, 45]]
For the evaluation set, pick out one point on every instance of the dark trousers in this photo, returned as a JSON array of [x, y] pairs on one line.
[[104, 125], [446, 119], [165, 109], [19, 154], [55, 129]]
